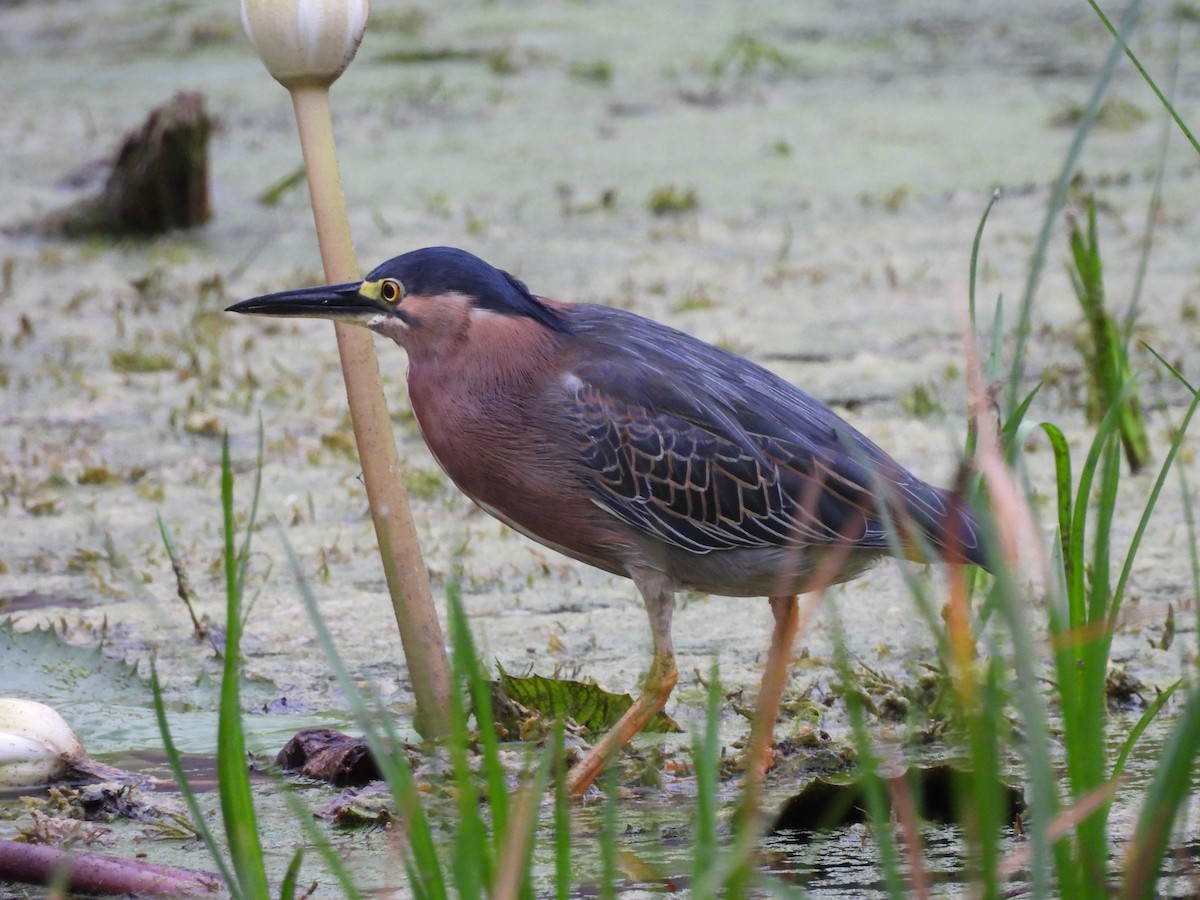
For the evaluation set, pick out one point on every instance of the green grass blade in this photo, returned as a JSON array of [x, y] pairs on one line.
[[1010, 434], [1154, 207], [1103, 443], [467, 658], [562, 818], [233, 779], [243, 554], [381, 736], [706, 758], [1120, 35], [973, 269], [473, 854], [608, 835], [1106, 359], [981, 807], [287, 890], [175, 762], [1042, 774], [868, 764], [1058, 197], [1087, 754], [1105, 506], [1081, 653], [1168, 790], [1189, 519], [1152, 499], [386, 747], [996, 350], [1142, 724], [1062, 479], [972, 277], [526, 806]]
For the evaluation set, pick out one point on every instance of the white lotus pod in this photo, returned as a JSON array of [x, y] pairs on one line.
[[305, 41], [36, 745]]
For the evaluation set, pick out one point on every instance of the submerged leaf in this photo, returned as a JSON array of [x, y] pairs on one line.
[[107, 700], [38, 663]]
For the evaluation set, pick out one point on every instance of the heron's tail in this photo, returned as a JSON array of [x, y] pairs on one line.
[[948, 525]]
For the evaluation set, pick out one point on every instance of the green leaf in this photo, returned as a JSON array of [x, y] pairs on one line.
[[587, 704]]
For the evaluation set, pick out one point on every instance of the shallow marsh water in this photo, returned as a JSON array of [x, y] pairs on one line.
[[840, 156]]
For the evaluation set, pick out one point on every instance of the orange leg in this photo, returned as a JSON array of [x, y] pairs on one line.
[[660, 680], [759, 756], [659, 596]]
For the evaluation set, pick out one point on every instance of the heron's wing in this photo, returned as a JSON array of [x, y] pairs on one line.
[[696, 471]]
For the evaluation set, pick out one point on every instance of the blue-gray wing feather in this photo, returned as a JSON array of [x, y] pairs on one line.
[[708, 451]]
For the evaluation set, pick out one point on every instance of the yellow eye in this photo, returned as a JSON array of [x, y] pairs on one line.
[[390, 291]]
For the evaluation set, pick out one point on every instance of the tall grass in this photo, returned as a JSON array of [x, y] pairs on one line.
[[1110, 373], [1067, 851], [1084, 602], [240, 858]]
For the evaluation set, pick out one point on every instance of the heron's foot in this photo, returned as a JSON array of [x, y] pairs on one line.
[[660, 681]]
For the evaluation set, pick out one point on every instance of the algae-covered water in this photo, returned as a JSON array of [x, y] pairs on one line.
[[800, 182]]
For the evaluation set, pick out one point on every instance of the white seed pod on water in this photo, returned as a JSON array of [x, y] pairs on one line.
[[36, 745], [305, 41]]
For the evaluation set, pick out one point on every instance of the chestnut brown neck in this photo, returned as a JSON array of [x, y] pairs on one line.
[[492, 358]]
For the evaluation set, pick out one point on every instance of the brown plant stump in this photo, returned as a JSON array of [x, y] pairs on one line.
[[158, 181]]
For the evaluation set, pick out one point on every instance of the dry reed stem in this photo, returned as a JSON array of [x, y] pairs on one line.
[[407, 579]]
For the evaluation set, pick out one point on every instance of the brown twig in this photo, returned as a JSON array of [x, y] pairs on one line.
[[905, 811], [93, 873]]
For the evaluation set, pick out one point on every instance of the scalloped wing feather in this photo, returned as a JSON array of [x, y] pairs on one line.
[[708, 451]]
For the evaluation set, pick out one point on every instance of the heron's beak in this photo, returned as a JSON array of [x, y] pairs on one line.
[[351, 302]]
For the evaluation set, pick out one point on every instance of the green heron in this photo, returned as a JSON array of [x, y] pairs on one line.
[[637, 448]]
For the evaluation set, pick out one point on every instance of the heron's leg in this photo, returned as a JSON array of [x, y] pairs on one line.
[[759, 757], [658, 593]]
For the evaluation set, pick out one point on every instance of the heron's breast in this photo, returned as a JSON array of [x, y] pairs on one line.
[[502, 454]]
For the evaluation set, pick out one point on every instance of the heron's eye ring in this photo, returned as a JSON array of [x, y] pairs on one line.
[[391, 291]]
